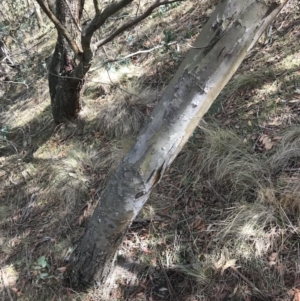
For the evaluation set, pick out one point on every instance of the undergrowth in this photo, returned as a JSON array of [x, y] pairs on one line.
[[223, 224]]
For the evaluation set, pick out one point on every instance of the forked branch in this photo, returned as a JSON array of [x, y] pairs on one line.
[[133, 22], [44, 5], [97, 7], [102, 16]]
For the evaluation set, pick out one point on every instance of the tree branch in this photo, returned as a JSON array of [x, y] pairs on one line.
[[44, 5], [133, 22], [97, 7], [132, 54], [101, 17]]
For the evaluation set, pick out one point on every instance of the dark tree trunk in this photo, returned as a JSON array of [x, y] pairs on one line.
[[64, 83]]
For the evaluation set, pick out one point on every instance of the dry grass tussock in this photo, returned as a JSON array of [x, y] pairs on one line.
[[124, 112], [239, 208], [285, 164], [46, 203], [249, 80], [76, 168]]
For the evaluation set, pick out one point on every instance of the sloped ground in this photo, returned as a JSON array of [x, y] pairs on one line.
[[224, 222]]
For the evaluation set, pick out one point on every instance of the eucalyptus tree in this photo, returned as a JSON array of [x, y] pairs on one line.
[[227, 37]]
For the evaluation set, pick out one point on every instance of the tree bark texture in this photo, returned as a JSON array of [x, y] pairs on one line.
[[225, 40], [64, 87]]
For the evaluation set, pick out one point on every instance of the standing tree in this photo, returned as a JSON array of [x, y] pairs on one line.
[[226, 39], [73, 53]]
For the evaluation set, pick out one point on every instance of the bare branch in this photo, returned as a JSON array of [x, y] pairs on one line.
[[44, 5], [132, 54], [12, 82], [133, 22], [97, 7], [101, 17]]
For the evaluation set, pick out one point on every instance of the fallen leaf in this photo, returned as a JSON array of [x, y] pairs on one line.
[[290, 292], [61, 269], [296, 296], [271, 263], [195, 224], [228, 264], [198, 224], [227, 122], [266, 142], [273, 256]]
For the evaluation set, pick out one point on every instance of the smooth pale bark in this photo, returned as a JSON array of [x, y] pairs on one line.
[[226, 39]]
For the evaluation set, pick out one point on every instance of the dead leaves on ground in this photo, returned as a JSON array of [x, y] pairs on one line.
[[265, 142], [197, 224], [294, 294]]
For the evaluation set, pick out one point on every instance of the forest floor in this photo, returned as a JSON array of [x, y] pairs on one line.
[[223, 224]]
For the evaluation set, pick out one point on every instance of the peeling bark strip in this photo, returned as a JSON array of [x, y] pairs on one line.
[[227, 37]]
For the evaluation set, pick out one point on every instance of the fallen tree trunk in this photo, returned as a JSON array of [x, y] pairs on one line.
[[226, 39]]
